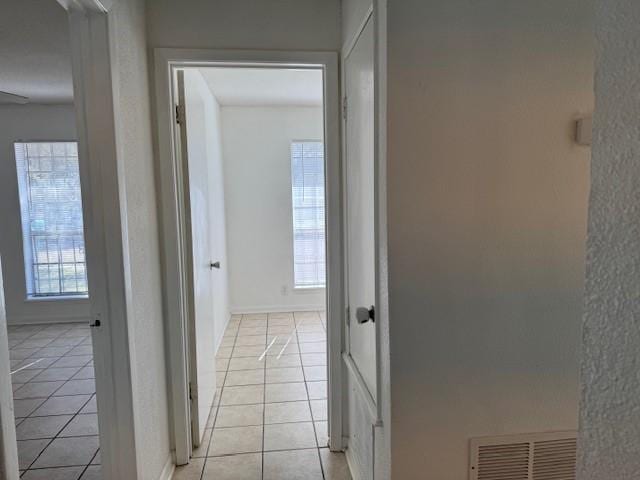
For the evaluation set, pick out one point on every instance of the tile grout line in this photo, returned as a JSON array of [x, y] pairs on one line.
[[73, 416], [217, 407], [299, 329], [92, 459], [51, 440], [313, 423], [264, 398], [59, 335]]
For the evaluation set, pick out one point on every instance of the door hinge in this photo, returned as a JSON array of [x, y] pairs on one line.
[[347, 318], [179, 114], [344, 108], [191, 392]]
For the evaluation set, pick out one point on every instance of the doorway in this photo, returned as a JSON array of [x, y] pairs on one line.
[[47, 295], [51, 352], [278, 343]]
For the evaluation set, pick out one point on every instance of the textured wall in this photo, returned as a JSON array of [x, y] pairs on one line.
[[141, 237], [487, 202], [610, 408]]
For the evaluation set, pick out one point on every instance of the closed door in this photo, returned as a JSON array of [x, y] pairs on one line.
[[200, 324], [360, 198]]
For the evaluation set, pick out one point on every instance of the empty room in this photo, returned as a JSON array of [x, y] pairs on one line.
[[254, 163], [42, 243]]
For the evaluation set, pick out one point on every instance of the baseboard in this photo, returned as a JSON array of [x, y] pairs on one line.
[[277, 308], [46, 320], [354, 465], [219, 342], [168, 469]]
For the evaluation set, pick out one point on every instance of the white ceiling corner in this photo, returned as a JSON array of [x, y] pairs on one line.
[[240, 86], [34, 51]]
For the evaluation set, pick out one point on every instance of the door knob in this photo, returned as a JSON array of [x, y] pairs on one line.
[[214, 265], [364, 314]]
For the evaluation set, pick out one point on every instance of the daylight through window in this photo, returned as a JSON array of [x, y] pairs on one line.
[[307, 174], [51, 210]]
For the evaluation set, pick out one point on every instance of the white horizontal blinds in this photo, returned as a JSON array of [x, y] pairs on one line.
[[307, 172], [51, 208]]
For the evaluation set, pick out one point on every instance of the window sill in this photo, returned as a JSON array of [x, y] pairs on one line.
[[60, 298], [308, 289]]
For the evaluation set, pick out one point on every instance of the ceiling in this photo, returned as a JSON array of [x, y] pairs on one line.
[[36, 63], [233, 86], [34, 51]]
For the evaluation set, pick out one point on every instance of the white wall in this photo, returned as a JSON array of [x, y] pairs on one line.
[[609, 419], [29, 122], [140, 238], [257, 167], [487, 198], [250, 24]]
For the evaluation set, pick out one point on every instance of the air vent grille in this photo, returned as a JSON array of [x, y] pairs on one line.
[[536, 456], [555, 460], [502, 462]]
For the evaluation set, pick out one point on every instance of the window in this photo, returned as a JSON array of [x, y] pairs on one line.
[[51, 210], [307, 181]]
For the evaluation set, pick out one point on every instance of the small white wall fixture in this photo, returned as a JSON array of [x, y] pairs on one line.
[[584, 131], [167, 61]]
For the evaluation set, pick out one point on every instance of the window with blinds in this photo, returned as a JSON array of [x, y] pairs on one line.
[[307, 181], [51, 210]]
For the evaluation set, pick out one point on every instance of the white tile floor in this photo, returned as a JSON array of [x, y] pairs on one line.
[[270, 417], [54, 400]]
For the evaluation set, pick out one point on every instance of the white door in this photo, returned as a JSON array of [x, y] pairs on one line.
[[200, 323], [360, 198], [8, 450]]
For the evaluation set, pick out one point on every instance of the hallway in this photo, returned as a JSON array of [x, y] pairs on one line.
[[270, 417]]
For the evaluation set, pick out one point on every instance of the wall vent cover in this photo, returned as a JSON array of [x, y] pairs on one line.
[[534, 456]]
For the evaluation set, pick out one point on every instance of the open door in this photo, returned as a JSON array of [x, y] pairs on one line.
[[360, 199], [8, 450], [360, 252], [199, 266]]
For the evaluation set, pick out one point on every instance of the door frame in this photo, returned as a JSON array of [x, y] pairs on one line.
[[167, 60], [9, 467], [91, 37]]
